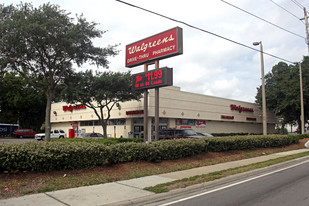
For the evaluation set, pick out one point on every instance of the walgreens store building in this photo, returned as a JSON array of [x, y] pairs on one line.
[[178, 109]]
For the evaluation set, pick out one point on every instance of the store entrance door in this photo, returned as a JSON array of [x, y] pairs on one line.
[[138, 128], [162, 125], [138, 131]]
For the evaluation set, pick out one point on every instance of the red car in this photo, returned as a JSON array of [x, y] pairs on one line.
[[24, 133]]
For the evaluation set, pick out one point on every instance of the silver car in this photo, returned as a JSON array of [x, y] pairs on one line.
[[205, 134]]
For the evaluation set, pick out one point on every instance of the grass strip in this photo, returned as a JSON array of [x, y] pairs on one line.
[[185, 182]]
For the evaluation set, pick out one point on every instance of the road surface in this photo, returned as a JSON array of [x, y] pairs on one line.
[[16, 140], [284, 187]]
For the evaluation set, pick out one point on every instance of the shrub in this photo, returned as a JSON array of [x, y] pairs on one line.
[[52, 156], [81, 154], [220, 144], [178, 148], [106, 141], [228, 134], [128, 152], [303, 136], [281, 130]]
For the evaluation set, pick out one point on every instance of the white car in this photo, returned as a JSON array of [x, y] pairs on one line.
[[205, 134], [56, 133]]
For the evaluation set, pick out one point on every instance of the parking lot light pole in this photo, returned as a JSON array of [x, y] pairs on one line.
[[263, 88]]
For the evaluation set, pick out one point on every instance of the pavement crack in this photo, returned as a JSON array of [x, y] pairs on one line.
[[56, 199], [129, 186]]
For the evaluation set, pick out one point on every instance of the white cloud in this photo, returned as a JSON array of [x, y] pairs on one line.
[[209, 65]]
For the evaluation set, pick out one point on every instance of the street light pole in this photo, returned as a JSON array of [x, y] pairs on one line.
[[263, 89]]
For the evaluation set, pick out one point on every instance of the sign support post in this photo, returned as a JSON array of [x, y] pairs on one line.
[[148, 51], [145, 109], [153, 79], [157, 107]]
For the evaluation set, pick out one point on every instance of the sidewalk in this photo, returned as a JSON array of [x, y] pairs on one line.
[[112, 193]]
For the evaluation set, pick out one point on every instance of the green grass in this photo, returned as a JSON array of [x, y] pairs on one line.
[[45, 189], [220, 174], [27, 192], [247, 154]]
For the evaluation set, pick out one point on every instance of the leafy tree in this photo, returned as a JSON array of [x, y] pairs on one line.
[[100, 92], [283, 91], [42, 44], [20, 103]]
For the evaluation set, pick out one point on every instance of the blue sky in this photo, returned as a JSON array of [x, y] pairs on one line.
[[209, 65]]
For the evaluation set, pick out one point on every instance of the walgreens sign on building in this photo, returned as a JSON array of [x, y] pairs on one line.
[[159, 46]]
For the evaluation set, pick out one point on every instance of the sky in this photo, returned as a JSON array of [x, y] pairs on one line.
[[209, 65]]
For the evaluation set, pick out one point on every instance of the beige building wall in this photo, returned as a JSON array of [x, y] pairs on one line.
[[174, 104]]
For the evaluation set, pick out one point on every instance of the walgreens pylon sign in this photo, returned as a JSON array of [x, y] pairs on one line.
[[160, 46]]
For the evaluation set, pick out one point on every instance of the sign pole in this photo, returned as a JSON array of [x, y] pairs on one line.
[[146, 109], [146, 51], [157, 107]]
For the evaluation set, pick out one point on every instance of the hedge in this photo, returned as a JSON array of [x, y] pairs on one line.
[[52, 156], [64, 155], [221, 144], [106, 141], [178, 148]]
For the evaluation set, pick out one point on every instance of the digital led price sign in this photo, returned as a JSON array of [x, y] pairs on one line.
[[154, 78]]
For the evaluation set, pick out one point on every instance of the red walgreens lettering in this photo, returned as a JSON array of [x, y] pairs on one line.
[[73, 107], [227, 117], [160, 46], [144, 46], [134, 112], [240, 108]]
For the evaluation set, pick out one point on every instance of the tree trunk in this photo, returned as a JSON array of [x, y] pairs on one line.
[[47, 117], [104, 126]]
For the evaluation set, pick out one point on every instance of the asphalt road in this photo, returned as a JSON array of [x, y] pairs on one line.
[[286, 187], [16, 140]]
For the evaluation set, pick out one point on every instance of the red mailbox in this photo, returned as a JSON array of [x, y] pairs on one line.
[[71, 133]]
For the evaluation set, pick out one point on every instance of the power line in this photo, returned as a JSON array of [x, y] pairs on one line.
[[264, 20], [286, 10], [205, 31], [298, 4]]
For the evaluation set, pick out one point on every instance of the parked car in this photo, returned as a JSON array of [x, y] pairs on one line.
[[91, 135], [204, 134], [56, 133], [24, 133], [178, 133]]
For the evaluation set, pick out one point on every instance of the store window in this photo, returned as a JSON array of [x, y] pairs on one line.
[[86, 123], [116, 122], [185, 122], [170, 133], [138, 121], [190, 122], [109, 122], [162, 121]]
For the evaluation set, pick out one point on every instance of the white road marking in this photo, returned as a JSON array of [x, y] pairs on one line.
[[231, 185]]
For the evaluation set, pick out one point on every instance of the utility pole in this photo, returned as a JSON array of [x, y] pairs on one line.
[[307, 28], [302, 116], [300, 76]]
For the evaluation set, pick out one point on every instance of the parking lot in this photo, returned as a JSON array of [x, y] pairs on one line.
[[16, 140]]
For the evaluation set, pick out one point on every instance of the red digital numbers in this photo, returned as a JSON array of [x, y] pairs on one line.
[[156, 78], [153, 75]]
